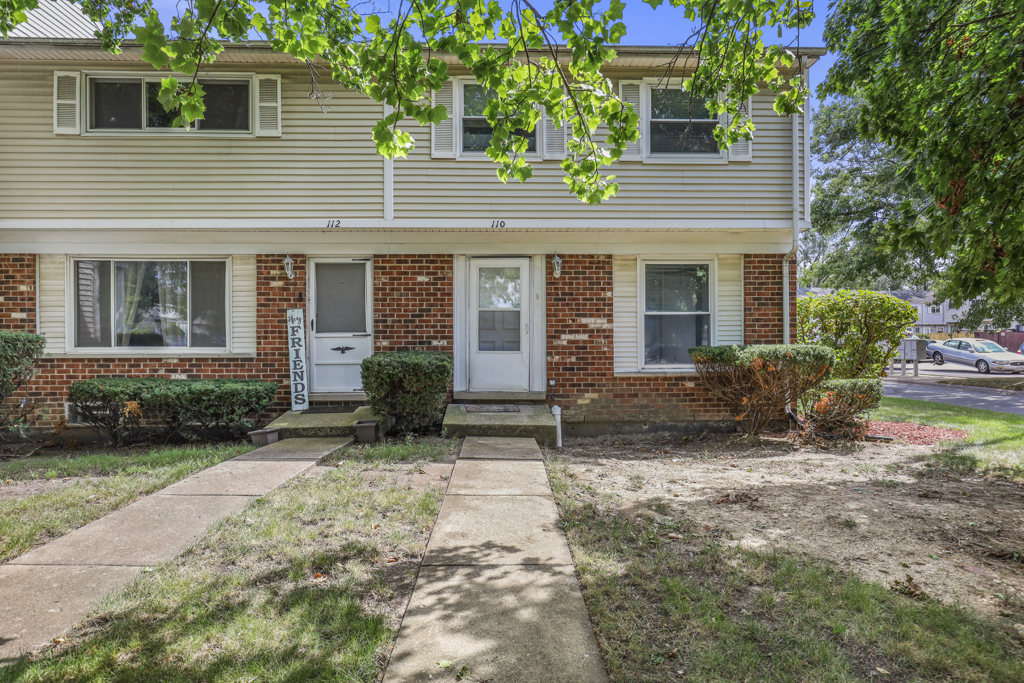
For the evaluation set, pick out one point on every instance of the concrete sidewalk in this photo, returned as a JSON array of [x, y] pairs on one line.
[[47, 590], [497, 592]]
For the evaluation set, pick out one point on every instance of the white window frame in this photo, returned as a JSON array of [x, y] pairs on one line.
[[71, 289], [641, 308], [86, 111], [935, 310], [648, 84], [458, 84]]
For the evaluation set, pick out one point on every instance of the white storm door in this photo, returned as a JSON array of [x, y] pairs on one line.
[[340, 322], [499, 315]]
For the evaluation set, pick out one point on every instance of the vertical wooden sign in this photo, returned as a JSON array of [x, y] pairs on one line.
[[297, 358]]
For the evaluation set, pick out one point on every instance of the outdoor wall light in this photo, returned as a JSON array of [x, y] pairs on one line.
[[289, 267], [556, 266]]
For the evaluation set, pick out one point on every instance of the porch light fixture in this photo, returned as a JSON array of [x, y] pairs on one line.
[[556, 266], [289, 266]]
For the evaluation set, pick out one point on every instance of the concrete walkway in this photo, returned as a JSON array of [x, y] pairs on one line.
[[497, 592], [968, 397], [47, 590]]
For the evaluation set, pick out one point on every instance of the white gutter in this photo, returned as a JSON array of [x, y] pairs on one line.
[[796, 212]]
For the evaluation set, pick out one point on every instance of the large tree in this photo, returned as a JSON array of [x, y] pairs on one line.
[[531, 58], [942, 81], [862, 188]]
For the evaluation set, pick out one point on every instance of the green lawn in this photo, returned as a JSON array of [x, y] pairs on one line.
[[108, 482], [996, 442], [1014, 383], [306, 584], [669, 603]]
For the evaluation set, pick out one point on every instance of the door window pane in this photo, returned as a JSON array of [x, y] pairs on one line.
[[668, 338], [116, 103], [92, 299], [151, 303], [341, 297], [499, 288], [209, 304], [227, 106], [676, 288]]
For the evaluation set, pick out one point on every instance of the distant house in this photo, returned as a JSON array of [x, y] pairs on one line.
[[932, 316]]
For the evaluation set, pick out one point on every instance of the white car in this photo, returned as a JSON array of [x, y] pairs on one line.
[[983, 354]]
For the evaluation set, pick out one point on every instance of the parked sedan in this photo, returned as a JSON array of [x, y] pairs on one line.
[[983, 354]]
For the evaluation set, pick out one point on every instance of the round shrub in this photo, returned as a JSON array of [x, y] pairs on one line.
[[409, 386], [19, 352], [837, 407]]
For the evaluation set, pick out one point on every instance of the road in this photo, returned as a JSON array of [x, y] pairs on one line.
[[954, 395]]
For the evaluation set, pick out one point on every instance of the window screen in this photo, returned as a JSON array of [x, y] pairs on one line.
[[677, 312]]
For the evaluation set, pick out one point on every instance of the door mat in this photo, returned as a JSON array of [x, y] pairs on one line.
[[498, 408]]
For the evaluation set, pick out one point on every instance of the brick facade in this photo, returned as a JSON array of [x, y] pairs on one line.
[[413, 309], [762, 298]]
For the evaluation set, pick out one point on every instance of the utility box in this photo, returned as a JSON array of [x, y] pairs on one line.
[[913, 349]]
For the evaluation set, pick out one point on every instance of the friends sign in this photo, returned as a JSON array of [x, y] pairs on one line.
[[297, 358]]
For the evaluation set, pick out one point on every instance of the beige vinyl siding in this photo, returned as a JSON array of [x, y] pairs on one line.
[[324, 166], [730, 299], [53, 301], [243, 304], [760, 190], [625, 337]]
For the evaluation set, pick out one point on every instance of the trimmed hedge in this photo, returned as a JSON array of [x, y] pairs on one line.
[[409, 386], [837, 406], [758, 382], [188, 408], [19, 352]]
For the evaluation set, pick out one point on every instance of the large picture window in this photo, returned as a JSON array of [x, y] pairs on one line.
[[677, 311], [130, 104], [476, 131], [681, 124], [150, 303]]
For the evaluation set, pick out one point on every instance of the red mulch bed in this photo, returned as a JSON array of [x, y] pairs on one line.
[[918, 435]]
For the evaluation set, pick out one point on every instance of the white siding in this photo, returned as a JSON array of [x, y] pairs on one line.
[[243, 304], [52, 301], [730, 299], [625, 337], [323, 166]]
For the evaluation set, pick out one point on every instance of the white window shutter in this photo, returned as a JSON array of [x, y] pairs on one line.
[[743, 150], [629, 91], [268, 105], [66, 98], [442, 135], [555, 138]]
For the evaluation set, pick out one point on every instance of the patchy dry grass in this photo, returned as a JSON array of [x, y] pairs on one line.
[[995, 445], [669, 602], [306, 584], [107, 482], [408, 449]]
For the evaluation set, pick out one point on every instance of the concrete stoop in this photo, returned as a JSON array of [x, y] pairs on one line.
[[531, 422], [305, 425]]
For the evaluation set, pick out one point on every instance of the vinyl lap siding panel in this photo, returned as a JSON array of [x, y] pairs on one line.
[[625, 338], [324, 165], [53, 301], [243, 304], [730, 299]]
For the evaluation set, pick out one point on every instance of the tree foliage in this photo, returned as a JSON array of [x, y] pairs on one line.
[[984, 310], [19, 353], [865, 328], [942, 81], [862, 188], [531, 58]]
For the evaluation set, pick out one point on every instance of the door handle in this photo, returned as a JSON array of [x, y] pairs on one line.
[[343, 349]]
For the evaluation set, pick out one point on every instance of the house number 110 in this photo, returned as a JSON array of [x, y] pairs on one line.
[[497, 224]]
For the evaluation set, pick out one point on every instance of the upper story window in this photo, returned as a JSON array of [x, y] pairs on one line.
[[476, 131], [152, 303], [935, 309], [131, 104], [117, 103], [680, 123], [677, 312]]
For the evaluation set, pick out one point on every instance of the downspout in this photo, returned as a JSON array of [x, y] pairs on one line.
[[786, 337]]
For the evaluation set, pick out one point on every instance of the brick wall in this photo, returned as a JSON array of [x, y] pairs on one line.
[[413, 298], [762, 298], [580, 357], [18, 292]]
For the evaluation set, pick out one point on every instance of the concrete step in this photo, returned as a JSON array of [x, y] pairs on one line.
[[532, 421], [301, 425]]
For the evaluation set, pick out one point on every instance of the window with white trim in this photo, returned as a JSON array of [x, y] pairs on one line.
[[476, 131], [150, 303], [680, 124], [126, 103], [936, 309], [677, 312]]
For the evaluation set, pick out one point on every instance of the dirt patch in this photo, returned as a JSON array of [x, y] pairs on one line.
[[11, 489], [880, 510]]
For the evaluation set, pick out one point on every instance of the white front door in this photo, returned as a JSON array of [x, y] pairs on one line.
[[340, 322], [499, 316]]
